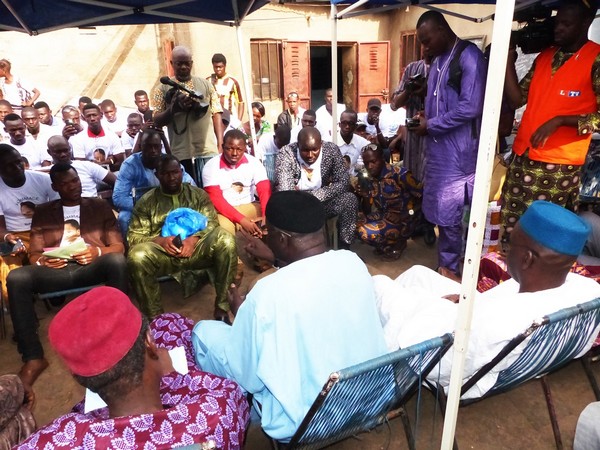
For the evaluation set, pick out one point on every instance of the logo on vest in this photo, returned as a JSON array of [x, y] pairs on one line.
[[570, 93]]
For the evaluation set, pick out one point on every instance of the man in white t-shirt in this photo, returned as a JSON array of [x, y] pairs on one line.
[[309, 119], [268, 147], [39, 132], [351, 144], [95, 137], [114, 123], [90, 173], [46, 117], [25, 145], [20, 191], [232, 180], [325, 118], [128, 137]]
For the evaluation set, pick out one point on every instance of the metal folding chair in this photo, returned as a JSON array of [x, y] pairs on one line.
[[549, 344], [365, 395]]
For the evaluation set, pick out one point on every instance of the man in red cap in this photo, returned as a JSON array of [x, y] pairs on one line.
[[110, 349]]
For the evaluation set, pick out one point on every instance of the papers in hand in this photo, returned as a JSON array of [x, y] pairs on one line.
[[67, 251], [93, 401]]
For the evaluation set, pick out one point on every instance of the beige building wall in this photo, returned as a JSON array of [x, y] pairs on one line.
[[113, 62]]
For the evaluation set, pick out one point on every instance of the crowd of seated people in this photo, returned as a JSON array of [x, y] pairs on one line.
[[192, 190]]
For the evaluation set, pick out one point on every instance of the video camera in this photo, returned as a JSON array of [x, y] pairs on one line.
[[538, 32]]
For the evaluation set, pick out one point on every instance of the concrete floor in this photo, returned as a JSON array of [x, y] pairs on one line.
[[516, 420]]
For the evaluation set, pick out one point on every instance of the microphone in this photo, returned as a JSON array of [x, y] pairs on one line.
[[181, 87]]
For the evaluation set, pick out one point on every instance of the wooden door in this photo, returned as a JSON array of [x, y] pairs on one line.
[[373, 72], [296, 71]]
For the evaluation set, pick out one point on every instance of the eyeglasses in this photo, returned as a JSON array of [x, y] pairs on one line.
[[370, 147], [347, 123]]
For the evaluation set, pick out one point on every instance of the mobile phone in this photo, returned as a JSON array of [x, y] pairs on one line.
[[177, 242], [148, 116], [6, 248], [69, 122]]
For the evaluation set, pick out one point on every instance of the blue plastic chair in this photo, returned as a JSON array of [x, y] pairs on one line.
[[365, 395], [551, 343]]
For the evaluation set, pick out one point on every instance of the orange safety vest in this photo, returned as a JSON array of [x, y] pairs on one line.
[[568, 92]]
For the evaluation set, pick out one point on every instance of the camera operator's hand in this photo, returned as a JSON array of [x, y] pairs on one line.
[[421, 129], [420, 87], [181, 102]]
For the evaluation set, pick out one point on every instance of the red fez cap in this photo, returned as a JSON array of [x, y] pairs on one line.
[[95, 331]]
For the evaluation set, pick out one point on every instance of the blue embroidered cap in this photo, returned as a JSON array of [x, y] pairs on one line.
[[555, 227]]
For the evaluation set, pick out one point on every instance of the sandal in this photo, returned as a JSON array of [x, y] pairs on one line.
[[394, 252]]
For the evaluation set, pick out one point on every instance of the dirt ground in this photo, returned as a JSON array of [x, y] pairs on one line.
[[516, 420]]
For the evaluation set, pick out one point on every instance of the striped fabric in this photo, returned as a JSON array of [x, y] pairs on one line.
[[546, 346], [358, 398]]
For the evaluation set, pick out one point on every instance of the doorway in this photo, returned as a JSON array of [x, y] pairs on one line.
[[320, 76]]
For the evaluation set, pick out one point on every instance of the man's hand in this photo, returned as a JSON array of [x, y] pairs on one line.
[[189, 244], [13, 239], [182, 102], [87, 256], [251, 227], [541, 135], [235, 298], [69, 130], [256, 247], [167, 244], [53, 263], [420, 130]]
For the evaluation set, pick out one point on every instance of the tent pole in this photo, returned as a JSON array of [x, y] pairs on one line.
[[485, 159], [245, 73], [334, 73]]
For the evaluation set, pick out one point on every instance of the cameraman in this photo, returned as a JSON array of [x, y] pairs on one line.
[[410, 94], [562, 92], [196, 135]]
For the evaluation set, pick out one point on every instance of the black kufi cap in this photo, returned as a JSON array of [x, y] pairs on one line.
[[296, 212]]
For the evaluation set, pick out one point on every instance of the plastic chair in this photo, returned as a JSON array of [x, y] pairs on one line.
[[365, 395], [546, 346]]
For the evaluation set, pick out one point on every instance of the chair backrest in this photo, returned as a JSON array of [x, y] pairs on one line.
[[550, 344], [358, 398]]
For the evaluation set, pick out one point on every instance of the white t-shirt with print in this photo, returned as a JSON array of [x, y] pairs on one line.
[[32, 152], [238, 184], [85, 143], [15, 202]]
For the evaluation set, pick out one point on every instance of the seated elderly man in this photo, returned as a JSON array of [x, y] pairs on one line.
[[544, 245], [314, 315], [153, 254], [232, 179], [137, 176], [126, 362], [87, 229], [391, 204], [318, 168]]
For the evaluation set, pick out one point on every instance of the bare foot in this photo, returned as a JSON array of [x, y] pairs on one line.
[[30, 372]]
